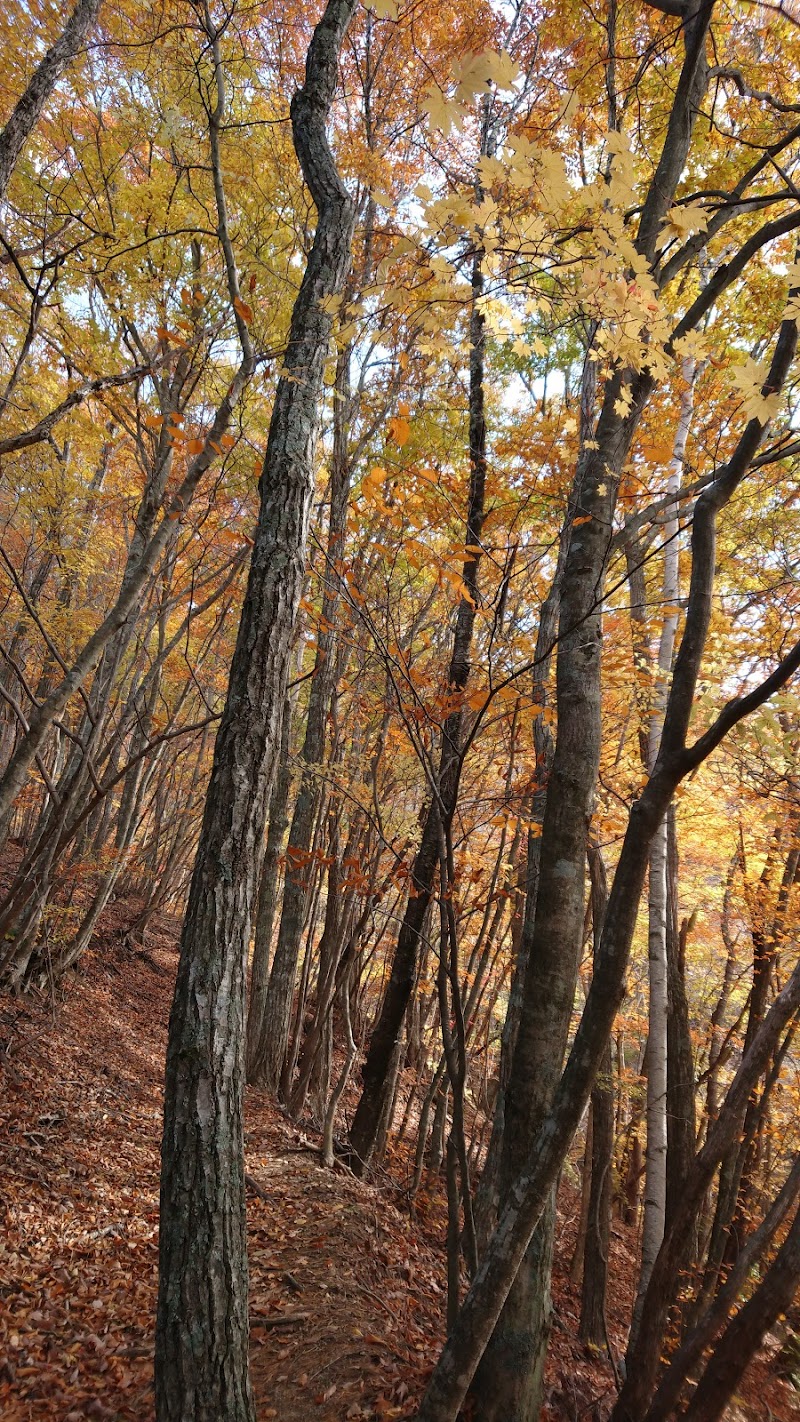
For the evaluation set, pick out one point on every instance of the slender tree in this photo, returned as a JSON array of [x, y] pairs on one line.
[[202, 1329]]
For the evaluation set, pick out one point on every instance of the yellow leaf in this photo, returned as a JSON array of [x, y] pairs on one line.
[[682, 221], [443, 113]]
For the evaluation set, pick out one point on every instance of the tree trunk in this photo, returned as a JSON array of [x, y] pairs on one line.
[[681, 1125], [268, 890], [592, 1327], [655, 1190], [272, 1030], [202, 1327], [509, 1381], [28, 109], [526, 1199]]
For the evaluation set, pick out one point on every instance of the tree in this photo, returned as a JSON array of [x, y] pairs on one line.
[[202, 1329], [552, 363]]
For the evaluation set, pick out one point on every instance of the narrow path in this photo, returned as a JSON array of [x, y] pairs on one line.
[[346, 1307], [346, 1289]]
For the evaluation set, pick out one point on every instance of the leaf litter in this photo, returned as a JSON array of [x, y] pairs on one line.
[[347, 1285]]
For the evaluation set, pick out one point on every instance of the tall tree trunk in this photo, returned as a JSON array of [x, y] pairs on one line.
[[509, 1380], [488, 1193], [527, 1197], [655, 1189], [268, 889], [681, 1125], [598, 1230], [202, 1327]]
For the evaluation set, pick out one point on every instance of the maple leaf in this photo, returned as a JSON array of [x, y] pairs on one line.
[[750, 380], [443, 113], [683, 221]]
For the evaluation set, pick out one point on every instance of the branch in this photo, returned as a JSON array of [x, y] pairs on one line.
[[676, 8], [725, 275], [41, 431], [740, 706]]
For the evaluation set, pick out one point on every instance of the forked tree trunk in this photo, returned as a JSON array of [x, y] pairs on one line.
[[202, 1330]]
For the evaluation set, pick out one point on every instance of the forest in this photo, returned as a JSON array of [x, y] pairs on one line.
[[400, 710]]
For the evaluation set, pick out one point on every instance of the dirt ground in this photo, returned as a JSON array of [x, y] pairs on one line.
[[347, 1287]]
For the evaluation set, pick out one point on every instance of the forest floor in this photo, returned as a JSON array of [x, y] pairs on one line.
[[347, 1287]]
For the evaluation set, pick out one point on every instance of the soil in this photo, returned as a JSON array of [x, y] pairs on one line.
[[347, 1284]]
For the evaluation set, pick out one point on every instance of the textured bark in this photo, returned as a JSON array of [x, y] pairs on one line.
[[268, 890], [526, 1199], [28, 109], [202, 1327]]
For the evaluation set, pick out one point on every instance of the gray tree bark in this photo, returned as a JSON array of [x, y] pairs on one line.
[[202, 1327], [28, 108], [526, 1198]]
